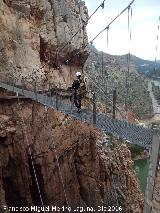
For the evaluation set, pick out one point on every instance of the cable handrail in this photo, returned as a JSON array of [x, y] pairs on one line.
[[107, 27], [33, 167], [156, 49], [101, 5], [120, 128], [100, 89], [59, 168]]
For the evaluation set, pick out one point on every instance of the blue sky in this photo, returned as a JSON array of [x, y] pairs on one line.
[[144, 26]]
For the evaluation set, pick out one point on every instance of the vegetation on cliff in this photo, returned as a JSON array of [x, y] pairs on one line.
[[92, 174], [44, 152], [110, 72]]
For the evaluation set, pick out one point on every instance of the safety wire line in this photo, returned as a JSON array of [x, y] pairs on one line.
[[96, 83], [61, 176], [32, 162], [58, 164], [128, 60], [107, 27], [157, 41], [102, 6], [114, 132], [100, 89], [106, 86], [100, 85], [34, 170], [107, 37]]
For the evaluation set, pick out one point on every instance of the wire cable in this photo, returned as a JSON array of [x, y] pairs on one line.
[[101, 5], [128, 61], [107, 27], [33, 167], [61, 176], [107, 36], [157, 41], [59, 169], [100, 89]]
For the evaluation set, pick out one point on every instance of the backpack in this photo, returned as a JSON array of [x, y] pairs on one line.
[[81, 91]]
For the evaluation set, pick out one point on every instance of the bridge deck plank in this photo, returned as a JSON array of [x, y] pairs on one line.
[[135, 134]]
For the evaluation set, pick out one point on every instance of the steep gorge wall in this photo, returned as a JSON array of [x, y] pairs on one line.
[[93, 175], [32, 35]]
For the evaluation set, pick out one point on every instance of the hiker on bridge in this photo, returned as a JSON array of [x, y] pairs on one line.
[[78, 91]]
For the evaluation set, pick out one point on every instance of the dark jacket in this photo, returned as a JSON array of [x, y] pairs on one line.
[[76, 85], [78, 88]]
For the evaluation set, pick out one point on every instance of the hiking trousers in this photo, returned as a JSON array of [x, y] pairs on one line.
[[76, 99]]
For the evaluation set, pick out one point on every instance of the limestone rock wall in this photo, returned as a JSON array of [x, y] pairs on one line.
[[93, 175], [32, 35]]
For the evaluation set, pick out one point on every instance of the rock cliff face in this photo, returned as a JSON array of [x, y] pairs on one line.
[[32, 140], [45, 156], [32, 37]]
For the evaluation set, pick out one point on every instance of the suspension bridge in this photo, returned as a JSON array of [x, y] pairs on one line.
[[119, 128], [122, 129], [145, 137]]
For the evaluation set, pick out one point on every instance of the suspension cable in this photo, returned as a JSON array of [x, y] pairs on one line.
[[107, 36], [100, 89], [32, 162], [128, 60], [112, 21], [102, 6], [61, 176], [34, 170], [59, 168], [157, 41], [107, 27]]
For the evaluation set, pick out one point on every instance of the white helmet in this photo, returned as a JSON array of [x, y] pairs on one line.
[[78, 74]]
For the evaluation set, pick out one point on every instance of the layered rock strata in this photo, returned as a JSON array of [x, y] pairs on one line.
[[35, 41], [32, 140]]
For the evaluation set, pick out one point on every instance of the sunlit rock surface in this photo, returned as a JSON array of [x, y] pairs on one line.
[[93, 175], [35, 41]]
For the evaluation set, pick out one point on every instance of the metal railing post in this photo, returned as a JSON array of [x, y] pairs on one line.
[[50, 93], [114, 103], [22, 82], [14, 83], [56, 90], [94, 109], [35, 89], [106, 99]]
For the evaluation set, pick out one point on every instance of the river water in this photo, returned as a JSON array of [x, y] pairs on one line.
[[141, 167]]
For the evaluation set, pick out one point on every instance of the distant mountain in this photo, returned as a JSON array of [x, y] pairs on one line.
[[146, 67]]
